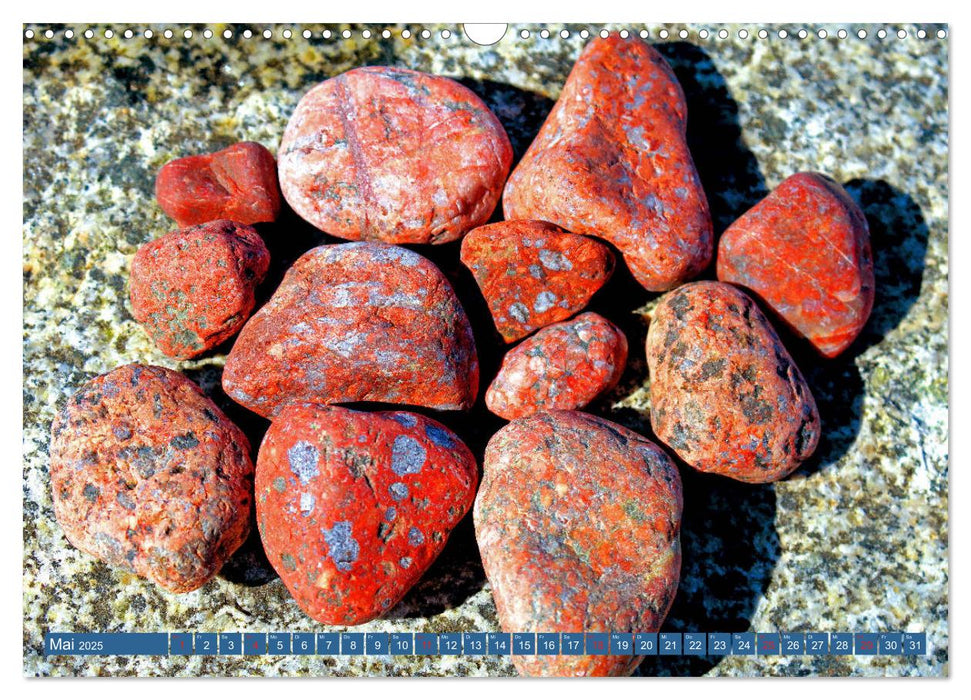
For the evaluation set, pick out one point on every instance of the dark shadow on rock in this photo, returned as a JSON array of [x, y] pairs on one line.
[[729, 171], [452, 579], [457, 574], [521, 112], [253, 425], [477, 425], [619, 301], [729, 549], [249, 566], [838, 389], [898, 238], [287, 239]]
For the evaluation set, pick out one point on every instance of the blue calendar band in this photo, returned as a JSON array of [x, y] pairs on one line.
[[486, 643]]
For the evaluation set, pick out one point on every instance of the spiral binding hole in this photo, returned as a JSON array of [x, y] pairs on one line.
[[544, 33]]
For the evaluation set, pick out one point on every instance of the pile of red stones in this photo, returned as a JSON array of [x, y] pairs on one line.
[[577, 518]]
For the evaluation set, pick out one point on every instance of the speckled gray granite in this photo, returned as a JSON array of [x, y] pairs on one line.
[[854, 541]]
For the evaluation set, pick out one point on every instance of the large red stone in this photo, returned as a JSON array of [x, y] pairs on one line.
[[354, 507], [237, 183], [149, 476], [578, 523], [356, 322], [532, 273], [194, 288], [612, 161], [564, 366], [725, 394], [393, 155], [805, 251]]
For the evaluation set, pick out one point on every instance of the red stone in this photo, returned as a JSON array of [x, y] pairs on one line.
[[805, 251], [149, 476], [532, 273], [578, 523], [611, 160], [237, 183], [354, 507], [356, 322], [725, 394], [194, 288], [564, 366], [393, 155]]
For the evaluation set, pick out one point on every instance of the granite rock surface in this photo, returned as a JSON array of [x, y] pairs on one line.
[[856, 539]]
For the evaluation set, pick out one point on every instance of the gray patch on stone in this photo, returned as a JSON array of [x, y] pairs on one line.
[[405, 419], [341, 297], [519, 312], [184, 442], [415, 537], [391, 359], [405, 562], [303, 459], [396, 299], [341, 546], [652, 202], [345, 346], [307, 503], [544, 302], [391, 513], [394, 254], [439, 436], [407, 455], [536, 271], [554, 260], [635, 136], [399, 491]]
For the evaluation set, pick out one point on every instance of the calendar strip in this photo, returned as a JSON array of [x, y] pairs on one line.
[[486, 644]]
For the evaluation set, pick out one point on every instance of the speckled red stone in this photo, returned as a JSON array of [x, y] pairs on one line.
[[237, 183], [564, 366], [356, 322], [805, 251], [194, 288], [532, 273], [612, 161], [725, 394], [578, 522], [393, 155], [148, 475], [353, 507]]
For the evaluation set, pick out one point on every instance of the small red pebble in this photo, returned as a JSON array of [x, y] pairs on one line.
[[148, 475], [578, 522], [237, 183], [805, 251], [356, 322], [393, 155], [725, 394], [532, 273], [194, 288], [612, 161], [354, 507], [564, 366]]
